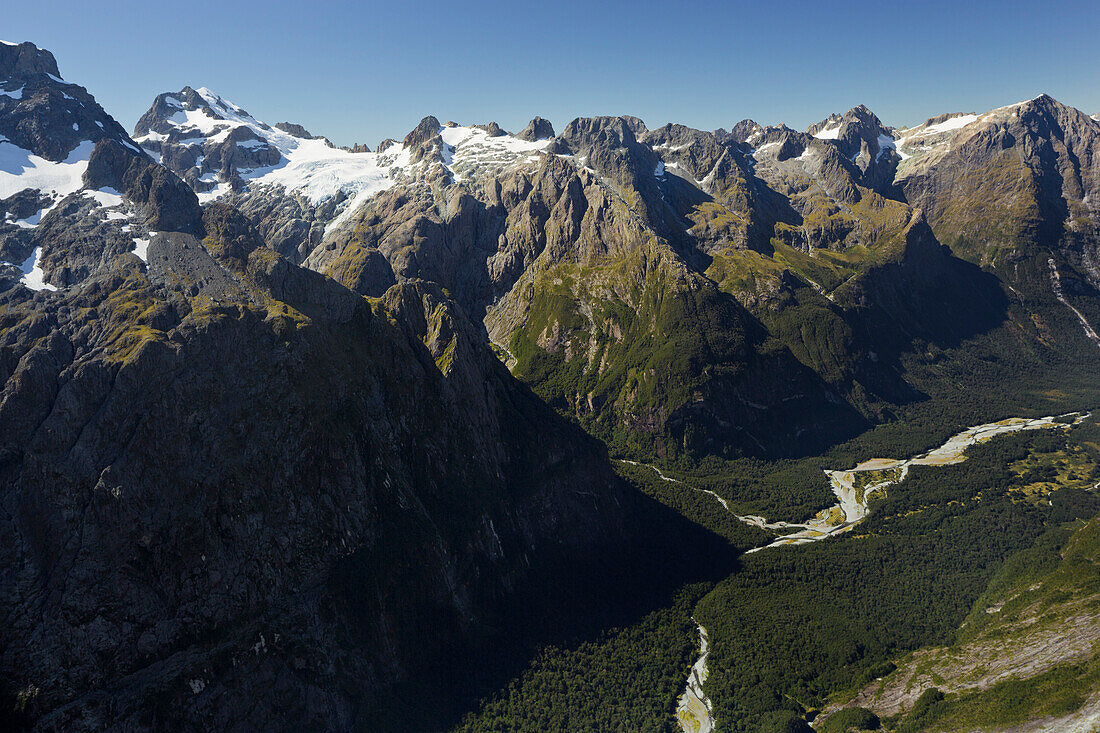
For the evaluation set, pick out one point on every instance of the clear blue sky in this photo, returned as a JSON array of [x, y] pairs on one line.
[[360, 72]]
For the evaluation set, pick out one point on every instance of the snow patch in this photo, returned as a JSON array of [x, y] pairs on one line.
[[473, 149], [955, 123], [106, 197], [765, 146], [20, 169], [33, 276], [885, 142], [141, 248], [14, 94], [829, 133], [30, 222]]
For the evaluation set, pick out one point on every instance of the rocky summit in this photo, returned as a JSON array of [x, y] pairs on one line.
[[301, 436]]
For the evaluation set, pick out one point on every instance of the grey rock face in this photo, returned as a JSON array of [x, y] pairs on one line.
[[294, 129], [289, 224], [635, 124], [537, 129], [425, 131], [609, 146], [26, 59], [858, 137]]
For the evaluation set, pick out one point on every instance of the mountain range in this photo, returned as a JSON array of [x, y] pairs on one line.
[[280, 419]]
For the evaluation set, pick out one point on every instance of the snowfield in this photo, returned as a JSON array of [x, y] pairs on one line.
[[20, 169]]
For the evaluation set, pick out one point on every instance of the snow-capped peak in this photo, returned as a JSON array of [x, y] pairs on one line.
[[48, 130], [218, 147]]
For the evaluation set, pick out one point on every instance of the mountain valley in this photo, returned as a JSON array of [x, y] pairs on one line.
[[476, 430]]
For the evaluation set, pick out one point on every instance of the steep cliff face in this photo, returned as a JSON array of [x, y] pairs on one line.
[[578, 289], [228, 478], [678, 293], [1003, 185], [237, 495]]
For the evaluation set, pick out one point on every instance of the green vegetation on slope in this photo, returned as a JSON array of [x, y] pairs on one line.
[[699, 507], [628, 680], [1027, 650], [627, 365], [798, 625]]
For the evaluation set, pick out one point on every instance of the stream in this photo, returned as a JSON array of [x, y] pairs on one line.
[[853, 489]]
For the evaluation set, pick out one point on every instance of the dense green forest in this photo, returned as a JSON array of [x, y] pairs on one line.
[[1041, 587], [795, 626], [627, 680], [701, 508], [799, 624]]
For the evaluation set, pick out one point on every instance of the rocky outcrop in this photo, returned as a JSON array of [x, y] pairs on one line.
[[537, 129], [424, 131], [293, 128], [289, 224], [164, 201], [636, 125]]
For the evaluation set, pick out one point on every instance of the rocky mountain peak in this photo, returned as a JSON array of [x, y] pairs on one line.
[[635, 124], [214, 144], [1051, 111], [18, 60], [169, 113], [427, 129], [586, 132], [537, 129], [42, 113], [742, 131], [860, 136], [857, 123]]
